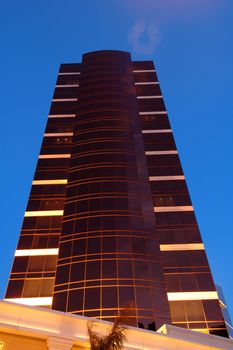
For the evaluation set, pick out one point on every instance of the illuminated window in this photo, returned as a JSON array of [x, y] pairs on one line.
[[38, 287]]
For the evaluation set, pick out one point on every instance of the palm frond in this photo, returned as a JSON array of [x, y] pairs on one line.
[[93, 336], [116, 337]]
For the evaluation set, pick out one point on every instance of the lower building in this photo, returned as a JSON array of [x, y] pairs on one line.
[[32, 328]]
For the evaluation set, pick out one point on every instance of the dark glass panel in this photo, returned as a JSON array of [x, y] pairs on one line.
[[45, 204], [143, 297], [109, 297], [53, 163], [171, 200], [145, 77], [60, 301], [148, 90], [140, 268], [93, 246], [75, 300], [25, 242], [109, 269], [29, 223], [212, 310], [79, 247], [14, 289], [92, 269], [108, 244], [20, 264], [142, 65], [66, 92], [126, 296], [62, 274], [125, 269], [172, 283], [92, 298], [188, 282], [70, 67], [205, 282], [154, 104], [65, 249], [77, 272]]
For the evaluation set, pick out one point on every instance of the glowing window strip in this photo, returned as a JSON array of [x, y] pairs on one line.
[[43, 213], [36, 252], [152, 113], [192, 296], [50, 182], [158, 131], [66, 86], [40, 301], [62, 115], [148, 83], [148, 97], [177, 247], [52, 156], [202, 330], [64, 99], [144, 71], [152, 153], [167, 178], [171, 209], [69, 73], [58, 134]]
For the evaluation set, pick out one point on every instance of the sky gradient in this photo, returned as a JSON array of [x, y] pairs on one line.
[[190, 42]]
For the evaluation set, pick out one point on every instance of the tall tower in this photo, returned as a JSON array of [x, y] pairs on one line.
[[109, 218]]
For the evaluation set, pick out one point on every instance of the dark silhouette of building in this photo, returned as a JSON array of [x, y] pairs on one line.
[[109, 218]]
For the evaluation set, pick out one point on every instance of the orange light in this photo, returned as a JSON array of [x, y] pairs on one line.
[[157, 131], [51, 156], [144, 71], [167, 178], [152, 153], [148, 97], [171, 209], [208, 295], [152, 113], [62, 115], [32, 301], [44, 213], [58, 134], [176, 247], [64, 99], [36, 252], [50, 182]]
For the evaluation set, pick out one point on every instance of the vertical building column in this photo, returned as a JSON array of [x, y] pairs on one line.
[[55, 343]]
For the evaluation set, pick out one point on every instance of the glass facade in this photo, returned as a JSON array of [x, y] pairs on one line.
[[109, 220]]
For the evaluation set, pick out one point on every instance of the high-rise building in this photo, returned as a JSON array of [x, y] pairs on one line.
[[109, 219]]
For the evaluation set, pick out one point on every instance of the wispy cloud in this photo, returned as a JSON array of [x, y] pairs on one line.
[[144, 37]]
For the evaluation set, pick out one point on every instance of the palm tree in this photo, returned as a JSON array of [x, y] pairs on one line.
[[115, 339]]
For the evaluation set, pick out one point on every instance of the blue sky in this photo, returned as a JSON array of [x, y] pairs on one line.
[[191, 44]]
